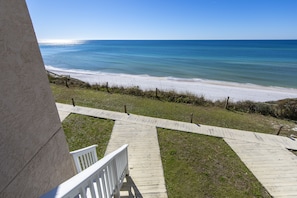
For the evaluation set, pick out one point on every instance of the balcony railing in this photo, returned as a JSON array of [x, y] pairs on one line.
[[102, 179], [85, 157]]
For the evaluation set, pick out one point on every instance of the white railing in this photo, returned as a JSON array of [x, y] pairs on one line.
[[102, 179], [85, 157]]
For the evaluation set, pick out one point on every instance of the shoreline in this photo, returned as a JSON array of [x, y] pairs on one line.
[[210, 89]]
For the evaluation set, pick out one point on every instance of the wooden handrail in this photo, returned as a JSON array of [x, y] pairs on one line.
[[102, 179]]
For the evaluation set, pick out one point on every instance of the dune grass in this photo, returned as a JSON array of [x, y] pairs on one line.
[[284, 109]]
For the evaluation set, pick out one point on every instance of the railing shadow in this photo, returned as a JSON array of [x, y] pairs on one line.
[[132, 189]]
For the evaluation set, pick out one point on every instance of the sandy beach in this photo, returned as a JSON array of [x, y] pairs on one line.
[[213, 90]]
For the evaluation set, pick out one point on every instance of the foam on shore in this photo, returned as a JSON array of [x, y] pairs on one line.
[[210, 89]]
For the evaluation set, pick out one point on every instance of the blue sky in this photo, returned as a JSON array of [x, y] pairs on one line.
[[164, 19]]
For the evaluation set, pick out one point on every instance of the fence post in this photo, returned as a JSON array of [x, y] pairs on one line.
[[107, 89], [191, 117], [227, 103], [125, 108], [156, 92], [280, 128], [73, 103], [66, 82]]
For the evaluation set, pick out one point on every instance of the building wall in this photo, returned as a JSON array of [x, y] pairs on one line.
[[34, 155]]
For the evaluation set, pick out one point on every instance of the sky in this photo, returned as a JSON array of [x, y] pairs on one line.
[[163, 19]]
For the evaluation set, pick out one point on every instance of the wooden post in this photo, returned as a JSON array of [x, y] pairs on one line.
[[125, 107], [66, 83], [280, 128], [156, 92], [73, 103], [191, 117], [107, 87], [227, 103]]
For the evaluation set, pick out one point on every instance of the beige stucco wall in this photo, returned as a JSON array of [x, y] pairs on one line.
[[34, 155]]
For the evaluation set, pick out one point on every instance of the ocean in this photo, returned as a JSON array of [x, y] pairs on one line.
[[268, 63]]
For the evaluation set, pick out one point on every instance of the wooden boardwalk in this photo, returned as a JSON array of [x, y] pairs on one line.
[[63, 114], [145, 166], [265, 155], [275, 167], [183, 126]]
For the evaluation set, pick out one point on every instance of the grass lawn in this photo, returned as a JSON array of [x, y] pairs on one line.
[[214, 116], [201, 166], [194, 165], [82, 131]]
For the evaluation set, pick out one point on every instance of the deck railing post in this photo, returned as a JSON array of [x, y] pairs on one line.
[[116, 193], [127, 171]]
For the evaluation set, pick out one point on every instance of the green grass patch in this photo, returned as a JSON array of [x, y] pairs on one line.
[[82, 131], [202, 166]]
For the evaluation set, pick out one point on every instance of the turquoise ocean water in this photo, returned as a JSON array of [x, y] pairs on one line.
[[259, 62]]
